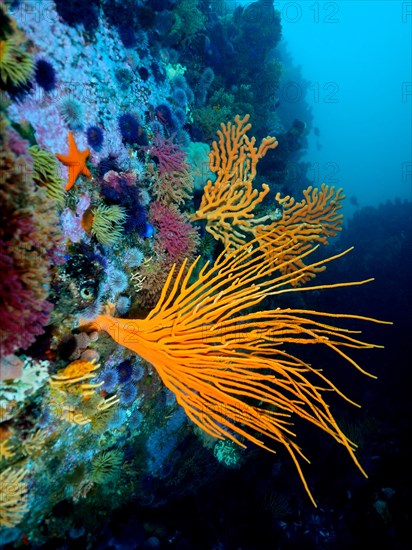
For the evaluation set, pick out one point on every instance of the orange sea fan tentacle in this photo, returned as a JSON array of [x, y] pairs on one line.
[[217, 356]]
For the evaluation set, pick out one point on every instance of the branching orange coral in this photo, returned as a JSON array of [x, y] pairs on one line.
[[75, 372], [228, 367], [228, 202], [312, 220]]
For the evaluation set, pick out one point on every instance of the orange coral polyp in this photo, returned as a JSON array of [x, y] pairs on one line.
[[214, 355], [75, 372], [77, 369]]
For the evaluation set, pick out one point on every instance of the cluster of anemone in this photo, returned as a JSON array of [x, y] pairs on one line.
[[128, 390], [16, 67], [136, 420], [107, 223], [16, 63], [167, 118], [106, 466], [46, 173], [124, 77], [123, 304], [133, 257], [125, 371], [117, 281], [182, 96], [128, 394], [121, 379], [203, 85], [110, 379]]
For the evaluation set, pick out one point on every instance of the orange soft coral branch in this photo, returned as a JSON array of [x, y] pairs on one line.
[[228, 368], [312, 220], [228, 203], [318, 210]]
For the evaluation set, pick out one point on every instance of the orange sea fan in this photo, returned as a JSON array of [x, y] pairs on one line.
[[228, 202], [229, 367], [312, 220]]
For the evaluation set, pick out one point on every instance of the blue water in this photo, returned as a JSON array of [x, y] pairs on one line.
[[357, 59]]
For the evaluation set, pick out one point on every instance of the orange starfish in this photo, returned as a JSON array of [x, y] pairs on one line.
[[75, 161]]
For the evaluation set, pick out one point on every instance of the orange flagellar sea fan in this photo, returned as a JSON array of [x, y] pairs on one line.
[[229, 366], [310, 221], [228, 203]]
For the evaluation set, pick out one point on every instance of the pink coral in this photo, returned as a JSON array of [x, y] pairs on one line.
[[30, 243], [170, 157], [115, 178], [173, 183], [23, 312], [19, 146], [176, 239]]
